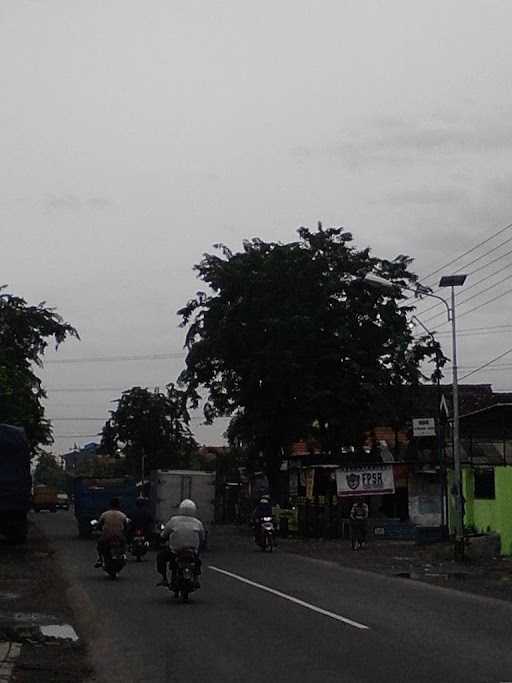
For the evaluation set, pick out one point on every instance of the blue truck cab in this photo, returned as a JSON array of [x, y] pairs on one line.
[[92, 497]]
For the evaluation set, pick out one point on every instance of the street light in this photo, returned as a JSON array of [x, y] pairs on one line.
[[456, 281], [446, 281]]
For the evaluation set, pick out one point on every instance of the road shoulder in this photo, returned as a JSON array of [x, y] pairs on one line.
[[36, 620]]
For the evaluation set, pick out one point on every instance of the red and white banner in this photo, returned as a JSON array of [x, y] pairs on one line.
[[365, 481]]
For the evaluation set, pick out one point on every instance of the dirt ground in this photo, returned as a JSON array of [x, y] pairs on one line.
[[404, 559], [33, 592]]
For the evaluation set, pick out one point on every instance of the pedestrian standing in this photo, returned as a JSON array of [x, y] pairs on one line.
[[358, 523]]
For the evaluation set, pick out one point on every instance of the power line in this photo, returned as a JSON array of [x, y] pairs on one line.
[[85, 389], [476, 308], [116, 359], [475, 284], [474, 296], [479, 258], [105, 417], [485, 365], [75, 436], [465, 267], [481, 333], [469, 251]]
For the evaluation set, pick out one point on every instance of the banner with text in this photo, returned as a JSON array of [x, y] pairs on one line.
[[365, 481]]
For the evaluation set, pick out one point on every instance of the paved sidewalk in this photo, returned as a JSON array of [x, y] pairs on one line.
[[9, 653]]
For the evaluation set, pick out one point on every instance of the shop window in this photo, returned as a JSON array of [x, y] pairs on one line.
[[484, 484]]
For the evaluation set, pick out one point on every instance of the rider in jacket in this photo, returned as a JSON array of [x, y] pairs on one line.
[[182, 531], [262, 509]]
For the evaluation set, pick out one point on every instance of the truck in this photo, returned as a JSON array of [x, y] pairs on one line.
[[15, 483], [170, 487], [92, 496], [44, 498]]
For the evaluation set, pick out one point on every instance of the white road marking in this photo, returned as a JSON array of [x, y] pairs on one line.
[[302, 603]]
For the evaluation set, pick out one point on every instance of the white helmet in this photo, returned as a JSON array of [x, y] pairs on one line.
[[188, 507]]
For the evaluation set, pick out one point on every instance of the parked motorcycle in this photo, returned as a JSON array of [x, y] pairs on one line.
[[265, 534], [139, 546], [114, 556], [185, 577]]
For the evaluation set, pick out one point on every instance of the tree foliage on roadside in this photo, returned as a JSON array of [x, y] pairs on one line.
[[25, 332], [292, 340], [152, 424]]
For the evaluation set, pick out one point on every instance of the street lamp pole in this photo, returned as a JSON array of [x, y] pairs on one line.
[[453, 281], [446, 281]]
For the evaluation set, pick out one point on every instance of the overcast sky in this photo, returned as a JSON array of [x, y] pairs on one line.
[[135, 135]]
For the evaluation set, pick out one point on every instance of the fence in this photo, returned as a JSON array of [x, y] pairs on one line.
[[322, 520]]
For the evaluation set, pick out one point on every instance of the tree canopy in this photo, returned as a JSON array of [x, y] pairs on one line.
[[292, 340], [25, 332], [152, 424]]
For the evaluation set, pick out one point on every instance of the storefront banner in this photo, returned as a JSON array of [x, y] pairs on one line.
[[365, 481]]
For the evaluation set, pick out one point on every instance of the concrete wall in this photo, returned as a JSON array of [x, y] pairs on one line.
[[491, 515], [424, 500]]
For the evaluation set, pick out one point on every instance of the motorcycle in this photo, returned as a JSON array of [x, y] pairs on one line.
[[185, 576], [265, 534], [114, 556], [139, 546]]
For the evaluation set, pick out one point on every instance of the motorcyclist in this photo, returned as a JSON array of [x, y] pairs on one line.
[[262, 509], [142, 519], [113, 525], [183, 531]]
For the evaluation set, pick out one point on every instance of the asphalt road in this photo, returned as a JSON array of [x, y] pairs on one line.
[[280, 617]]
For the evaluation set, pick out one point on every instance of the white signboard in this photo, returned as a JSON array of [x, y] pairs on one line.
[[424, 426], [365, 481]]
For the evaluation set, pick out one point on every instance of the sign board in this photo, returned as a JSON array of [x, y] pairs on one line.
[[365, 481], [424, 426]]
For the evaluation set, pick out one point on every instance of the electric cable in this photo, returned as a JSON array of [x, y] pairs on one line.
[[485, 365], [466, 253], [475, 296], [472, 286]]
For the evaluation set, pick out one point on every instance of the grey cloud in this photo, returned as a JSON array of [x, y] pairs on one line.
[[392, 141], [99, 202], [72, 203], [427, 196]]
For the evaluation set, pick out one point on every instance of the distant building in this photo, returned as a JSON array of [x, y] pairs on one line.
[[78, 457]]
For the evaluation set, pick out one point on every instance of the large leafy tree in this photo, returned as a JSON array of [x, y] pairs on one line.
[[25, 332], [294, 341], [153, 424]]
